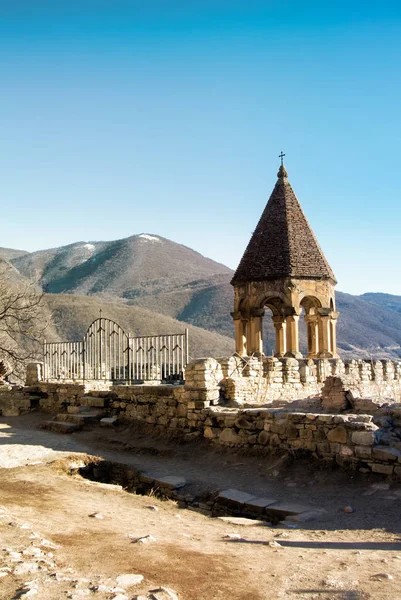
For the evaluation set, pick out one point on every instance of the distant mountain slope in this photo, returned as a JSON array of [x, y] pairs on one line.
[[172, 281], [8, 253], [72, 315], [384, 300], [205, 302], [139, 265], [366, 327]]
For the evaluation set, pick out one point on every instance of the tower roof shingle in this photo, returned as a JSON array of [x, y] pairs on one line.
[[283, 243]]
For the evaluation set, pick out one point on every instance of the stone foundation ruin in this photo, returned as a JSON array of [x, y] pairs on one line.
[[341, 413]]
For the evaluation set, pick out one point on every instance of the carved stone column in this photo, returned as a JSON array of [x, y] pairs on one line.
[[313, 335], [240, 333], [292, 322], [255, 331], [281, 341], [333, 332], [324, 321]]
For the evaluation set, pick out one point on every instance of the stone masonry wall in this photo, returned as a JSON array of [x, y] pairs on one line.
[[367, 438], [257, 381], [199, 409]]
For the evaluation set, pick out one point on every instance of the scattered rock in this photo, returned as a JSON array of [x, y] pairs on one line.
[[129, 580], [232, 536], [349, 509], [33, 551], [163, 593], [275, 544], [242, 521], [151, 507], [48, 544], [26, 568], [146, 539], [30, 592], [381, 576], [96, 515]]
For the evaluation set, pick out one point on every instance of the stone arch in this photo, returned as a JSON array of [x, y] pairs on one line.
[[276, 301], [311, 304]]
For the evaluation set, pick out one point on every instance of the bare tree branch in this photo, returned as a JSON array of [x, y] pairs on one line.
[[23, 321]]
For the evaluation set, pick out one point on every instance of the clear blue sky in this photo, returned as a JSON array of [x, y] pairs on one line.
[[167, 117]]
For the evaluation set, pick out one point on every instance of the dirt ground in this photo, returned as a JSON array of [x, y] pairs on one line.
[[51, 547]]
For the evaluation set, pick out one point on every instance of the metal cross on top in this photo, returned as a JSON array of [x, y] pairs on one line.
[[281, 156]]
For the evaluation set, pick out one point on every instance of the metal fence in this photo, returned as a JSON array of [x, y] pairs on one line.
[[107, 353]]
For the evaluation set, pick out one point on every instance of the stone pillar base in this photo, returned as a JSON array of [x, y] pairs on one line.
[[293, 354]]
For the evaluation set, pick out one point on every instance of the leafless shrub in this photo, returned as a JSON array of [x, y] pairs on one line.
[[23, 321]]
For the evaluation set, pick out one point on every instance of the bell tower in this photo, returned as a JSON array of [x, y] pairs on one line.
[[284, 268]]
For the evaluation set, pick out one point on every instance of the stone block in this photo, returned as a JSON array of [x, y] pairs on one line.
[[281, 510], [323, 448], [363, 438], [274, 440], [363, 452], [291, 431], [385, 469], [346, 451], [108, 421], [211, 433], [229, 436], [259, 504], [339, 435], [243, 423], [385, 453], [264, 437], [10, 411], [61, 426], [232, 495], [171, 482]]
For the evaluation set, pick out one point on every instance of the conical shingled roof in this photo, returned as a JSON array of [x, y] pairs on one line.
[[283, 243]]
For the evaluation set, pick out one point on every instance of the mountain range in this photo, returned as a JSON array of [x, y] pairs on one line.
[[152, 285]]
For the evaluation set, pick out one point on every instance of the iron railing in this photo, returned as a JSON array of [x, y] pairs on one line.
[[107, 353]]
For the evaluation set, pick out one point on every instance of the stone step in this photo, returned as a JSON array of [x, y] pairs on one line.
[[80, 418], [282, 510], [94, 401], [61, 426], [170, 482], [109, 421], [74, 410], [246, 504]]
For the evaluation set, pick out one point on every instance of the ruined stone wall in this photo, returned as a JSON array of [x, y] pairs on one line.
[[257, 381], [203, 407], [196, 409]]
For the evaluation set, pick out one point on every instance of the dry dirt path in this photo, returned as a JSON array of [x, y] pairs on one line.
[[337, 557]]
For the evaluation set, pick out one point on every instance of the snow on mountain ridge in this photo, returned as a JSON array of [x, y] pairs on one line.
[[150, 238]]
